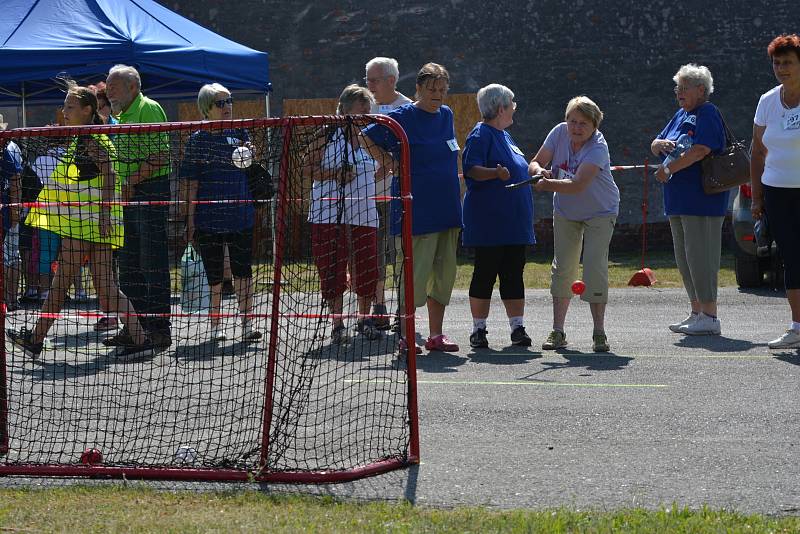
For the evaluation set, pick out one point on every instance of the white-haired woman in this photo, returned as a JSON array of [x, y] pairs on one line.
[[498, 222], [343, 217], [695, 218], [576, 166], [209, 172]]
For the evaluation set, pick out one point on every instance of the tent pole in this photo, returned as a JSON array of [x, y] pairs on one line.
[[24, 118], [271, 212]]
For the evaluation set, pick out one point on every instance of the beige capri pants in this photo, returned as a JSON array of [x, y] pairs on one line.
[[593, 236], [434, 266], [697, 240]]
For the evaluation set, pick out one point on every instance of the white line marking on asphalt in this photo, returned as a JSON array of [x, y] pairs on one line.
[[508, 383]]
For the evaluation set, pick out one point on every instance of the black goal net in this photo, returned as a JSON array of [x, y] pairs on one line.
[[215, 300]]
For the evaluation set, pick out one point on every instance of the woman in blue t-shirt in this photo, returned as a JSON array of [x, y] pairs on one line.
[[498, 221], [695, 218], [585, 209], [211, 175], [436, 191]]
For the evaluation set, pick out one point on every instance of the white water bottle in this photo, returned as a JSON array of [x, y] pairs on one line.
[[683, 144]]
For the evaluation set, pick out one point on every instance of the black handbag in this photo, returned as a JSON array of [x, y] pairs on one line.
[[728, 169], [259, 180]]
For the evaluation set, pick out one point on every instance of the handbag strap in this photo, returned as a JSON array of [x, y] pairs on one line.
[[729, 137]]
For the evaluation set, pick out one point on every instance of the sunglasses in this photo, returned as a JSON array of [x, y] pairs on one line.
[[222, 103]]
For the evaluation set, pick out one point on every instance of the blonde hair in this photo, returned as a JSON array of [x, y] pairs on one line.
[[586, 107], [207, 95], [350, 95]]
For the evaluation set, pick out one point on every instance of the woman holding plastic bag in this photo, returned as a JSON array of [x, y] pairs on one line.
[[211, 175]]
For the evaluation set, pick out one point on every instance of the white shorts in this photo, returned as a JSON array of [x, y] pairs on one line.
[[11, 246]]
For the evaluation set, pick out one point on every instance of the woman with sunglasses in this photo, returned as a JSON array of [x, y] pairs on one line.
[[210, 175]]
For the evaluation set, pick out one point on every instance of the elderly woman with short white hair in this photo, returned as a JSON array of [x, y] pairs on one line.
[[576, 166], [210, 175], [695, 217], [498, 221]]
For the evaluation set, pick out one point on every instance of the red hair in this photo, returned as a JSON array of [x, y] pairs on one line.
[[783, 44], [99, 89]]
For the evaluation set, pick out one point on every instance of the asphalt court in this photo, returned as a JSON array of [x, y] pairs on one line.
[[663, 418]]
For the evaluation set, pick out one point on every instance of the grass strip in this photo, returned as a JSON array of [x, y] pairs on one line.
[[117, 509]]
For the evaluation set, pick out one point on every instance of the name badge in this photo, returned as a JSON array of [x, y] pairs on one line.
[[384, 109], [564, 174], [453, 144], [792, 120], [515, 148]]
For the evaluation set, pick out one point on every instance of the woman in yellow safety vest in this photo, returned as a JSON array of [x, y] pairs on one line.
[[76, 202]]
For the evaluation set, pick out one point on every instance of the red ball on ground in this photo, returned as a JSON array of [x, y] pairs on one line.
[[92, 457], [578, 287]]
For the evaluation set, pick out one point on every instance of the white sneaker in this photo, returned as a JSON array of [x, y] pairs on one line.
[[789, 340], [704, 325], [676, 327], [249, 333], [217, 333]]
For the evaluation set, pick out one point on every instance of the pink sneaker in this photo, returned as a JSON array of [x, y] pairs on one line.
[[441, 343]]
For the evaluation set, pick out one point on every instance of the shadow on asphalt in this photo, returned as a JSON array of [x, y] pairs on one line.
[[48, 370], [717, 343], [411, 484], [764, 292], [439, 362], [506, 356], [591, 362], [793, 358]]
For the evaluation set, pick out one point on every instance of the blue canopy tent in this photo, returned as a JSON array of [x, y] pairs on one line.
[[39, 39]]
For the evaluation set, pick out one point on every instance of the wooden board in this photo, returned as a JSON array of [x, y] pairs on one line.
[[242, 109]]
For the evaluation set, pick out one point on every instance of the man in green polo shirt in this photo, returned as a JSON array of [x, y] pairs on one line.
[[144, 171]]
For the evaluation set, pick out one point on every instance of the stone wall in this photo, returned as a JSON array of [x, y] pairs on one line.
[[621, 54]]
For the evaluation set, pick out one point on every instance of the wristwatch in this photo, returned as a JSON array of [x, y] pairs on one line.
[[666, 170]]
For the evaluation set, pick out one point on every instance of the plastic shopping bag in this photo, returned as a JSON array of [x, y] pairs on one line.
[[195, 293]]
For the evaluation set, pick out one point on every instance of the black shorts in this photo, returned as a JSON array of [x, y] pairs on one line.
[[780, 204], [504, 261], [212, 250]]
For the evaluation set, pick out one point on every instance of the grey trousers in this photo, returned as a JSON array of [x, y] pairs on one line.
[[697, 241]]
